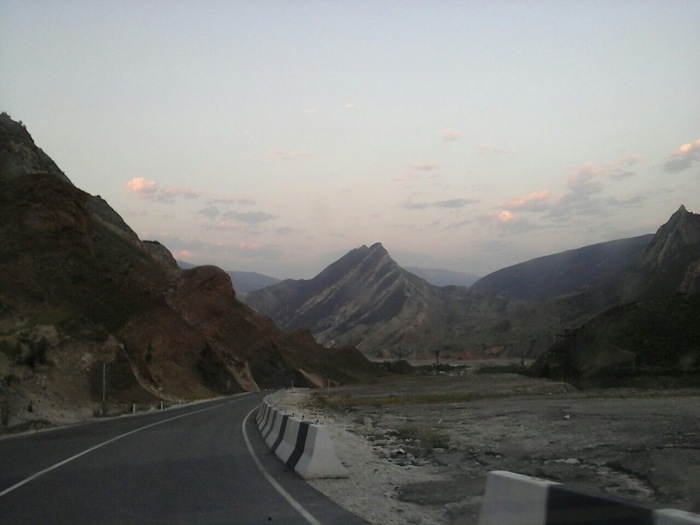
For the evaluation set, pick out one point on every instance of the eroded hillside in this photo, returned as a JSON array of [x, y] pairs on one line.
[[83, 298]]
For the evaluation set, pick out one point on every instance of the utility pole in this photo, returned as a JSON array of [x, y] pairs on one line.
[[104, 386]]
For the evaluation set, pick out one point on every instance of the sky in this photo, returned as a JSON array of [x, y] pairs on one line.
[[276, 136]]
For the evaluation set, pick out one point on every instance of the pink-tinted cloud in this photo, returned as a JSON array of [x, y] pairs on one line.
[[141, 187], [183, 255], [449, 135], [148, 189], [684, 157], [536, 201], [508, 223], [506, 216]]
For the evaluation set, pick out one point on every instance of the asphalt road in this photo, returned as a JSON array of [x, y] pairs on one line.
[[196, 464]]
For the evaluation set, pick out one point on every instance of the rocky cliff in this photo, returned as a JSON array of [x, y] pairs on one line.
[[671, 263], [82, 297]]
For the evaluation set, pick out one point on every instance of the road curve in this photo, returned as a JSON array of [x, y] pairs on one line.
[[197, 464]]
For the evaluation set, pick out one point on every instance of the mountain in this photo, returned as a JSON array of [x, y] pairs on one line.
[[245, 282], [365, 299], [439, 277], [671, 262], [361, 290], [651, 337], [648, 343], [572, 271], [82, 295]]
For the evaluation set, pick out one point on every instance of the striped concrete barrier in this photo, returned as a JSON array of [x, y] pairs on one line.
[[302, 446], [514, 499]]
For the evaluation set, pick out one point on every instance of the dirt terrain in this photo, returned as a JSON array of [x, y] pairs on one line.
[[418, 447]]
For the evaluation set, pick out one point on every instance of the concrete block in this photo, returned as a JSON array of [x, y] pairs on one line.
[[514, 499], [675, 517], [319, 459]]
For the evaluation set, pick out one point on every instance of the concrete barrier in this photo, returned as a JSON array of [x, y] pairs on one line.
[[512, 499], [303, 447]]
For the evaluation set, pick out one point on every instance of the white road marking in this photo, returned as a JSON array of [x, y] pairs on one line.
[[100, 445], [286, 495]]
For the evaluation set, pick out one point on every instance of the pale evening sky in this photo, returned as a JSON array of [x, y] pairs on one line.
[[276, 136]]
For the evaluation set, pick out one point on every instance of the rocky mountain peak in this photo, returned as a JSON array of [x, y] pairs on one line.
[[20, 156], [677, 238], [671, 263]]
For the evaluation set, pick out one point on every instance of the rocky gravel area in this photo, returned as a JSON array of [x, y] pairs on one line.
[[418, 448]]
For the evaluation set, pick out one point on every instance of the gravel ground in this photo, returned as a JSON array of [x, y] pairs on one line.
[[418, 448]]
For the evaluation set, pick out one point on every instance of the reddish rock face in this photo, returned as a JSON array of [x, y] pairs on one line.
[[68, 260]]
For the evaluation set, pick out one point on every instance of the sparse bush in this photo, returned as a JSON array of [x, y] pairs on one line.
[[429, 438]]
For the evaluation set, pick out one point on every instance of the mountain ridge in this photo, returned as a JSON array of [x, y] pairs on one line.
[[80, 292], [366, 299]]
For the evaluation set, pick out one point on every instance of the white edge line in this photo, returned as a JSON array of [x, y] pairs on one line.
[[100, 445], [286, 495]]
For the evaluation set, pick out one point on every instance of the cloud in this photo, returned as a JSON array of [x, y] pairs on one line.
[[622, 174], [628, 202], [509, 223], [169, 194], [349, 105], [536, 201], [449, 135], [249, 217], [232, 200], [583, 195], [683, 158], [584, 188], [205, 252], [148, 189], [426, 166], [141, 187], [183, 255], [453, 203], [286, 230], [210, 212], [459, 224], [450, 203], [506, 216]]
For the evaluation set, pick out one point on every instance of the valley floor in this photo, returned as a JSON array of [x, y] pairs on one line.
[[418, 447]]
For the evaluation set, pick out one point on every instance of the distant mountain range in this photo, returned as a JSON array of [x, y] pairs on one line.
[[598, 265], [440, 277], [366, 299], [245, 282], [81, 293]]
